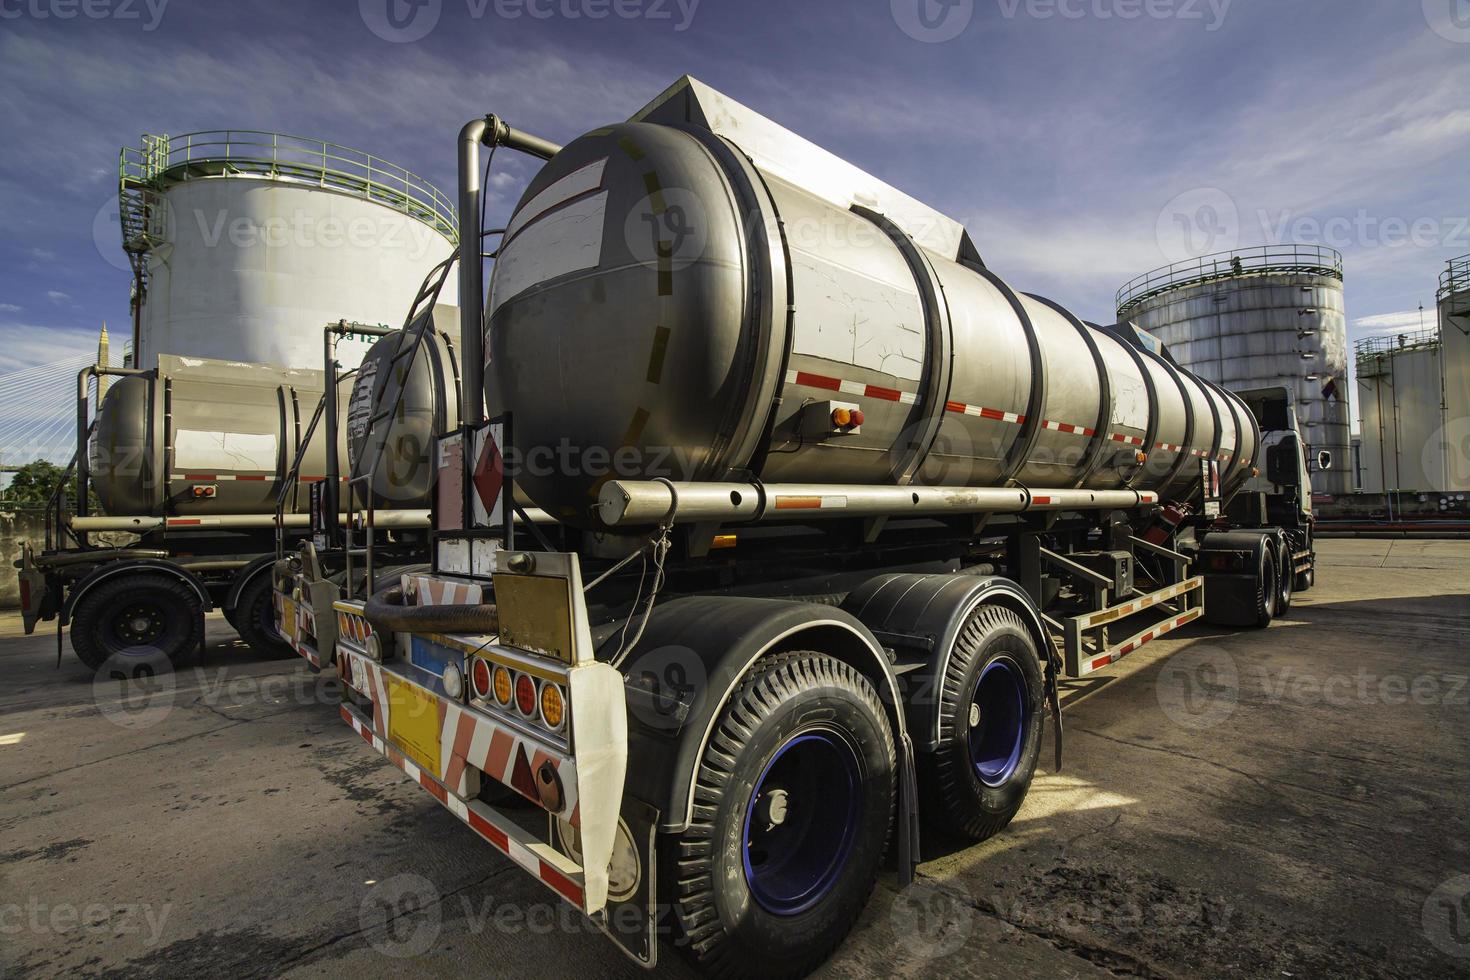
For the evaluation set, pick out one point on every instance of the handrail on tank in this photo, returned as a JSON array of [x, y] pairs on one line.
[[1455, 278], [1318, 260], [242, 152], [1369, 347], [325, 407]]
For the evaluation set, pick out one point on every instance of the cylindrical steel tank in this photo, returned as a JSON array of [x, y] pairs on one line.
[[1257, 318], [1454, 331], [1399, 396], [246, 244], [199, 437], [662, 306], [429, 406]]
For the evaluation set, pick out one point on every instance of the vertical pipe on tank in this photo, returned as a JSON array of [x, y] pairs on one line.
[[472, 269], [491, 132], [332, 489]]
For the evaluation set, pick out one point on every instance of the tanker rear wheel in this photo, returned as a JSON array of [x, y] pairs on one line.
[[793, 805], [255, 619], [991, 709], [137, 620]]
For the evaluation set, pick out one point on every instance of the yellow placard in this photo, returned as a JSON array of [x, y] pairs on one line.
[[287, 624], [413, 723]]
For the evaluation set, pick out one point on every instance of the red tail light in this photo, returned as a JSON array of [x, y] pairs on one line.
[[480, 678], [526, 695]]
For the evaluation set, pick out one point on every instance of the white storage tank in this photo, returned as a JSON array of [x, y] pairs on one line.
[[246, 244], [1454, 330], [1399, 398], [1257, 318]]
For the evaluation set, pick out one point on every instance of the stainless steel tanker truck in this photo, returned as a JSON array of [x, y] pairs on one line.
[[208, 465], [835, 509]]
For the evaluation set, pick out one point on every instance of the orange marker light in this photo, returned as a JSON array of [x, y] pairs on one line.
[[842, 417], [551, 705], [502, 685]]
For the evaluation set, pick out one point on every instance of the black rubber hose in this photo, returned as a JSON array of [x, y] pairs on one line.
[[388, 612]]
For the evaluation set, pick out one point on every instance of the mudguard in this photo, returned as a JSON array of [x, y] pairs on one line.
[[919, 616], [128, 566], [689, 662]]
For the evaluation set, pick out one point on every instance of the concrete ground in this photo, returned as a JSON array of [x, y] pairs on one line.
[[1294, 803]]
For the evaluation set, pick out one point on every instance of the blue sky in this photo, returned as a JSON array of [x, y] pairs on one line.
[[1065, 134]]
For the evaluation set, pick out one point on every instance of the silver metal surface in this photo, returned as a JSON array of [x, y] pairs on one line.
[[199, 423], [675, 295], [430, 406], [633, 503], [1276, 318]]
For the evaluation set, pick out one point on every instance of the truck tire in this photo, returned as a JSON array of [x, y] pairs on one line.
[[138, 617], [990, 724], [793, 806], [255, 619], [1267, 590], [1305, 580], [1286, 580]]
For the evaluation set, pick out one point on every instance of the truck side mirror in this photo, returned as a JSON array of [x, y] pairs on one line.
[[1324, 460]]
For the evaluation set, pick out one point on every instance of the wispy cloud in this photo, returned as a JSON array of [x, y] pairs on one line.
[[1394, 322]]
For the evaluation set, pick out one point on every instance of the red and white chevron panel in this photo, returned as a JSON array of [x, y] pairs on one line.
[[505, 836], [468, 737], [1127, 647]]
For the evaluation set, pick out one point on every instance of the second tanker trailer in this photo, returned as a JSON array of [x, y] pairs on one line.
[[838, 508]]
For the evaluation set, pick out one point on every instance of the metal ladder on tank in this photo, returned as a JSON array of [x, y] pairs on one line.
[[418, 325]]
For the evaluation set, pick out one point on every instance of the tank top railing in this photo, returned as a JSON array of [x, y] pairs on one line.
[[234, 152], [1455, 279], [1317, 260]]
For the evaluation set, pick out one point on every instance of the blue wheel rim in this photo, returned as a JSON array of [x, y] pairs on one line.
[[792, 865], [999, 734]]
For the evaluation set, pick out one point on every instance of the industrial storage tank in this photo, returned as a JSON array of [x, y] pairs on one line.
[[1256, 318], [428, 406], [1454, 329], [245, 244], [699, 294], [196, 437], [1400, 387]]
